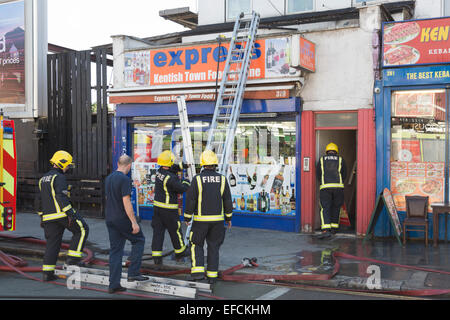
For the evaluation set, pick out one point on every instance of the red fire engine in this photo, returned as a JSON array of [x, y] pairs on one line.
[[8, 175]]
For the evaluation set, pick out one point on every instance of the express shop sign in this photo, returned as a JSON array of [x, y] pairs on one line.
[[270, 58], [416, 42], [198, 64]]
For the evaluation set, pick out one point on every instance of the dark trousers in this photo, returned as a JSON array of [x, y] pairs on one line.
[[119, 232], [54, 231], [166, 219], [214, 234], [331, 201]]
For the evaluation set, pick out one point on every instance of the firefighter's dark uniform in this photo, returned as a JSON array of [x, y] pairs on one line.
[[331, 171], [165, 214], [56, 216], [208, 204]]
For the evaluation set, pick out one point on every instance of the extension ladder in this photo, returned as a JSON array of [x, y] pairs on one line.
[[187, 148], [166, 286], [232, 88]]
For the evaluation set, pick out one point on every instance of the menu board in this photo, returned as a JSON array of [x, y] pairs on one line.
[[417, 178], [385, 200], [392, 210]]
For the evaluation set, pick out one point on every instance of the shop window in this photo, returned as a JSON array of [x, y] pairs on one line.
[[418, 145], [295, 6], [262, 171], [235, 7], [149, 140]]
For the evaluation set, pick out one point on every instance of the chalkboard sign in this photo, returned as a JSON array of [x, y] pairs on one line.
[[386, 200]]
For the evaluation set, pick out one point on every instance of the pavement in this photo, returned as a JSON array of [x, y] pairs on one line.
[[284, 253]]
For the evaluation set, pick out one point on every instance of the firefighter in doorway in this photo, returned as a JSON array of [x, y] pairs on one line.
[[167, 188], [208, 204], [331, 171], [57, 215]]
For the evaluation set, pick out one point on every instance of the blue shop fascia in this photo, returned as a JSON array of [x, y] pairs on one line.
[[412, 122]]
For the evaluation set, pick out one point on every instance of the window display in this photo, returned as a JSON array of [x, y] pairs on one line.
[[418, 145], [149, 141], [261, 173]]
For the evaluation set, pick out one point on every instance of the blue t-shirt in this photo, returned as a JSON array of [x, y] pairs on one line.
[[117, 186]]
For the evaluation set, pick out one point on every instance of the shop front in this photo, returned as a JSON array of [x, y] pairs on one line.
[[264, 170], [413, 116]]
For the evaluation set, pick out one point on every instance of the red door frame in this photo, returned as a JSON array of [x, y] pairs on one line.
[[366, 168]]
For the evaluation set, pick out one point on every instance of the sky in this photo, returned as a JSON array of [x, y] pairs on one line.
[[83, 24]]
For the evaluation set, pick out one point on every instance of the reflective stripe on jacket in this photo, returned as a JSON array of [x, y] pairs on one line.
[[167, 188], [331, 171], [209, 198], [54, 196]]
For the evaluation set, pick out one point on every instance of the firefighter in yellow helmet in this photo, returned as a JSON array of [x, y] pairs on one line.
[[58, 214], [208, 205], [165, 213], [331, 171]]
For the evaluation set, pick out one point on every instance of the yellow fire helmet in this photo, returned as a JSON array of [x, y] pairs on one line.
[[166, 159], [209, 158], [332, 147], [62, 159]]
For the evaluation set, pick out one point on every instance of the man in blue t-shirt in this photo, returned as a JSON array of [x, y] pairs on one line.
[[122, 226]]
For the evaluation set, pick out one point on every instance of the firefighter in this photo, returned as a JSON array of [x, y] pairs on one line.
[[331, 172], [208, 204], [165, 204], [58, 214]]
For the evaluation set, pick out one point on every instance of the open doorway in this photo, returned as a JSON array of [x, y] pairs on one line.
[[347, 143]]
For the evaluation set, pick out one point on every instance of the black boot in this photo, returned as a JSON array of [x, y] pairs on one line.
[[158, 261], [326, 234], [49, 276], [181, 255], [72, 261]]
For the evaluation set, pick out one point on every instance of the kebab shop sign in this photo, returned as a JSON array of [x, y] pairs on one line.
[[416, 42]]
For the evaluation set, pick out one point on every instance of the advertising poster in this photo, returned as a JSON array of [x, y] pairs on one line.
[[270, 58], [137, 68], [416, 42], [12, 53], [417, 178], [143, 175], [407, 150], [263, 188], [419, 105], [278, 57]]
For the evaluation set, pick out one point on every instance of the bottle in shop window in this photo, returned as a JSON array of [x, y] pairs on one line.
[[272, 200], [293, 200], [253, 182], [267, 199], [259, 202], [266, 178], [232, 178], [279, 179], [277, 200], [249, 178], [242, 202], [234, 204]]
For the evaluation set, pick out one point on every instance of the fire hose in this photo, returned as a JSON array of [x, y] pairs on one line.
[[18, 265]]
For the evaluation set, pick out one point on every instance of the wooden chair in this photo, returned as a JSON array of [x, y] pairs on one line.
[[416, 215]]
